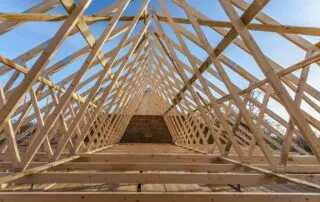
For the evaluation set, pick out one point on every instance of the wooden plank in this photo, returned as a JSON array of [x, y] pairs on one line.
[[142, 178], [311, 170], [10, 135], [313, 31], [125, 157], [286, 145], [271, 173], [43, 17], [15, 176], [158, 197]]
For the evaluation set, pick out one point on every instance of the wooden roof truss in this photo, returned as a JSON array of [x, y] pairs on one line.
[[86, 113]]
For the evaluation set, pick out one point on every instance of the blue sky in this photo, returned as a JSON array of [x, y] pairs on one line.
[[289, 12]]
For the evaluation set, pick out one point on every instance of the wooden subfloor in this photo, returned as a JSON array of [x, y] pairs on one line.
[[165, 154]]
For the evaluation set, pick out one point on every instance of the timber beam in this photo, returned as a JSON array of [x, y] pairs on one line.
[[158, 197]]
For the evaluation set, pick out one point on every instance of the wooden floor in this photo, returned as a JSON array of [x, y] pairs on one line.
[[146, 159]]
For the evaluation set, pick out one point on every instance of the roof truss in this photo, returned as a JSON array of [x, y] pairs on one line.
[[148, 71]]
